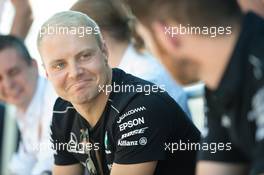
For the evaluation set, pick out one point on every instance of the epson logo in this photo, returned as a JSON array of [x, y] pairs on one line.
[[131, 123], [132, 111]]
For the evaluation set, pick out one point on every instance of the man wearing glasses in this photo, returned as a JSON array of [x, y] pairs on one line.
[[106, 120]]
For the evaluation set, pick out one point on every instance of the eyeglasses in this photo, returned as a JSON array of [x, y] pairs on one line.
[[89, 162]]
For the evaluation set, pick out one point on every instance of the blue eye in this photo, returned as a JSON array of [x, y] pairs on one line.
[[59, 66]]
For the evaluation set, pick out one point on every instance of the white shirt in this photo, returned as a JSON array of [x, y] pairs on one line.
[[6, 16], [35, 154], [2, 3], [145, 66]]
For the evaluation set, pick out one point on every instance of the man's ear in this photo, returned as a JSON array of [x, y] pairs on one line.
[[34, 64], [105, 50], [46, 73], [171, 42]]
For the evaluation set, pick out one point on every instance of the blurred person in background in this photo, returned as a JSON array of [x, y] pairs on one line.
[[231, 64], [2, 114], [125, 50], [23, 17], [20, 26], [33, 97]]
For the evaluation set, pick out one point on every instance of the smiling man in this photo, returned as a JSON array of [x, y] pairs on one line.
[[125, 132], [33, 97]]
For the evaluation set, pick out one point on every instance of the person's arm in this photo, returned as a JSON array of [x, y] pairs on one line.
[[227, 161], [64, 161], [75, 169], [219, 168], [44, 156], [147, 168], [23, 18]]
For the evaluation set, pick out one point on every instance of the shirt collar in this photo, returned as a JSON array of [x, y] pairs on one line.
[[36, 102]]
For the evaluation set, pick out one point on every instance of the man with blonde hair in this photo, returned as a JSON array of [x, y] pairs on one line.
[[106, 120]]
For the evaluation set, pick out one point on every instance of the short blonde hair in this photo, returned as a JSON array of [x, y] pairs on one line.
[[69, 19]]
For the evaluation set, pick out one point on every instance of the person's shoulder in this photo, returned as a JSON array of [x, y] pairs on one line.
[[252, 17], [254, 29], [153, 103], [252, 38], [156, 110], [62, 107], [63, 113], [63, 118]]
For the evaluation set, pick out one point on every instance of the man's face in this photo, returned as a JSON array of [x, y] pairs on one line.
[[17, 78], [76, 66], [183, 70]]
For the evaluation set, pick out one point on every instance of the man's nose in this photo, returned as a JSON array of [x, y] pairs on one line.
[[75, 70], [8, 83]]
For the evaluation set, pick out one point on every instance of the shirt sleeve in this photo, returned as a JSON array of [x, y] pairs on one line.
[[21, 162], [216, 144], [59, 127], [44, 156], [141, 131], [258, 164], [256, 113]]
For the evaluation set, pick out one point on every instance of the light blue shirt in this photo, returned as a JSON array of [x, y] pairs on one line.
[[145, 66]]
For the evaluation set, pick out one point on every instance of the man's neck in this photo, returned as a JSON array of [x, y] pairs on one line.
[[218, 53], [93, 110], [116, 50]]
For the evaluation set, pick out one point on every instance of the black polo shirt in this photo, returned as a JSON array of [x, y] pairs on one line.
[[235, 111], [134, 128]]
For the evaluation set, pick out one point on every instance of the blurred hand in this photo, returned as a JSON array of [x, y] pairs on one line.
[[21, 4], [23, 18]]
